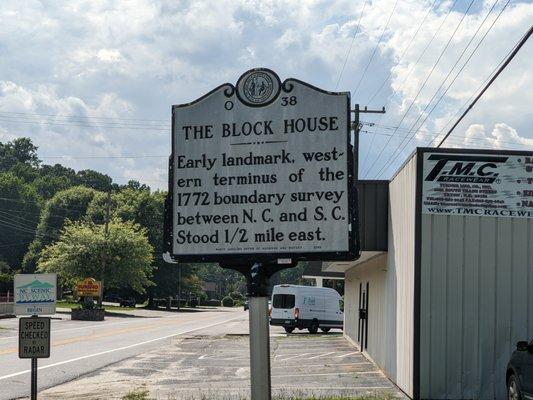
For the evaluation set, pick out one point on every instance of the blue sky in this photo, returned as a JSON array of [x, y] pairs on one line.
[[92, 82]]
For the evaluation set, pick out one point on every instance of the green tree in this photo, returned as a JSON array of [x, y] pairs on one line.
[[82, 246], [19, 214], [19, 150], [70, 204], [94, 180]]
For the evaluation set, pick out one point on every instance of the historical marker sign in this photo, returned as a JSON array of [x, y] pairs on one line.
[[262, 170], [35, 294], [34, 337]]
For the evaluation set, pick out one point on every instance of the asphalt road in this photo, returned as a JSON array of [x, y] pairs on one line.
[[81, 347]]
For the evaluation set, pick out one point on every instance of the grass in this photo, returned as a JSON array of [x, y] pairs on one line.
[[67, 304], [137, 394]]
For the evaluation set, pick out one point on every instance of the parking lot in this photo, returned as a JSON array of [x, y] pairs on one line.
[[214, 364]]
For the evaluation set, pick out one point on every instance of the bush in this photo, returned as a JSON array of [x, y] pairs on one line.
[[227, 302], [193, 303], [236, 296], [238, 303], [210, 303]]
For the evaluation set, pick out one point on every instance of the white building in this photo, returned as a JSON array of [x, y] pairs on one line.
[[449, 295]]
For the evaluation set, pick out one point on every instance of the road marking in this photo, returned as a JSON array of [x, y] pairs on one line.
[[322, 355], [346, 355], [290, 358], [327, 374], [77, 339], [141, 319], [119, 348]]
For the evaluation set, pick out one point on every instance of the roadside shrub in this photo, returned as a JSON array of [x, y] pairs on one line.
[[193, 303], [227, 302], [210, 303], [238, 303], [236, 296]]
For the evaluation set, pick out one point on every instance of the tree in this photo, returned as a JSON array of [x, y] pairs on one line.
[[19, 150], [70, 204], [94, 180], [19, 214], [79, 252]]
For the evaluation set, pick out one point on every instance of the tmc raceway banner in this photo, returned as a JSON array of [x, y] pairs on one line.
[[478, 184]]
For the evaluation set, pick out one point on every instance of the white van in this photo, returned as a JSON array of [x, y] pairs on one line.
[[310, 307]]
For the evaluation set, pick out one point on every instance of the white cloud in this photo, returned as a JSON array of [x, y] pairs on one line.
[[103, 59]]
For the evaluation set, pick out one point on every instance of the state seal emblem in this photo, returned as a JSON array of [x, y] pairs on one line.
[[258, 87]]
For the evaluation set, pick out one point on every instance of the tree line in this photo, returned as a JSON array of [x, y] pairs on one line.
[[52, 219]]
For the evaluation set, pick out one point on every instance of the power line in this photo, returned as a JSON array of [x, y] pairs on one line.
[[432, 135], [93, 156], [425, 81], [403, 53], [146, 129], [375, 49], [351, 44], [412, 68], [500, 70], [16, 244], [399, 150], [82, 117]]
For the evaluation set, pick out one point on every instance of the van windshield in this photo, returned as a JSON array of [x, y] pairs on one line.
[[283, 301]]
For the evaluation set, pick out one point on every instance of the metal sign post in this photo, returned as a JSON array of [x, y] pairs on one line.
[[262, 176], [34, 343]]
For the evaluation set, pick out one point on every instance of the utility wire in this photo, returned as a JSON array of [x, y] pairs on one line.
[[82, 116], [351, 44], [375, 49], [425, 81], [412, 68], [500, 70], [394, 155], [403, 53]]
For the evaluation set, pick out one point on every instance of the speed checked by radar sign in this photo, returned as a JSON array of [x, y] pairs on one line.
[[262, 170]]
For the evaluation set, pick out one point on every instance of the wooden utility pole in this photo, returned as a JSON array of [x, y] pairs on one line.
[[356, 126], [104, 256]]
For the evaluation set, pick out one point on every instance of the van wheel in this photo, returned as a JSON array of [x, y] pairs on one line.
[[313, 328], [289, 329], [325, 330]]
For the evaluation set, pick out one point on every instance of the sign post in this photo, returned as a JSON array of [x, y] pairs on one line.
[[34, 343], [262, 176], [34, 294]]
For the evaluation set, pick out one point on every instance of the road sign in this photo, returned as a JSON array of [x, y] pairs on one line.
[[35, 294], [34, 337], [88, 287], [262, 171]]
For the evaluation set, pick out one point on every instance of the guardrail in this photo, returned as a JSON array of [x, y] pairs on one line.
[[6, 309], [6, 304]]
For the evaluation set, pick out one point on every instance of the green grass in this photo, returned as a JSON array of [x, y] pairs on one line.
[[137, 394], [67, 304]]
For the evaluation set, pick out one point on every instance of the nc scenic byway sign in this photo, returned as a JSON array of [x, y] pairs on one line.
[[35, 294], [263, 170]]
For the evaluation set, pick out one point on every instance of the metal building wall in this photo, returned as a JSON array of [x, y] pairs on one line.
[[476, 303], [391, 287]]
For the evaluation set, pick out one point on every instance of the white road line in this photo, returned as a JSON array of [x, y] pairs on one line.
[[140, 319], [327, 374], [290, 358], [322, 355], [346, 355], [118, 348]]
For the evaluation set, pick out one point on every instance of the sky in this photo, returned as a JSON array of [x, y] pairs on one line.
[[92, 82]]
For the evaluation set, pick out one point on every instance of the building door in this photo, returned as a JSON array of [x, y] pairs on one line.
[[362, 329]]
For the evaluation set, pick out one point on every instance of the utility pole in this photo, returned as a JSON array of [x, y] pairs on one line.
[[356, 126], [104, 256]]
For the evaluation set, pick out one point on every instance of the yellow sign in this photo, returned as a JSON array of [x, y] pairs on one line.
[[88, 287]]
